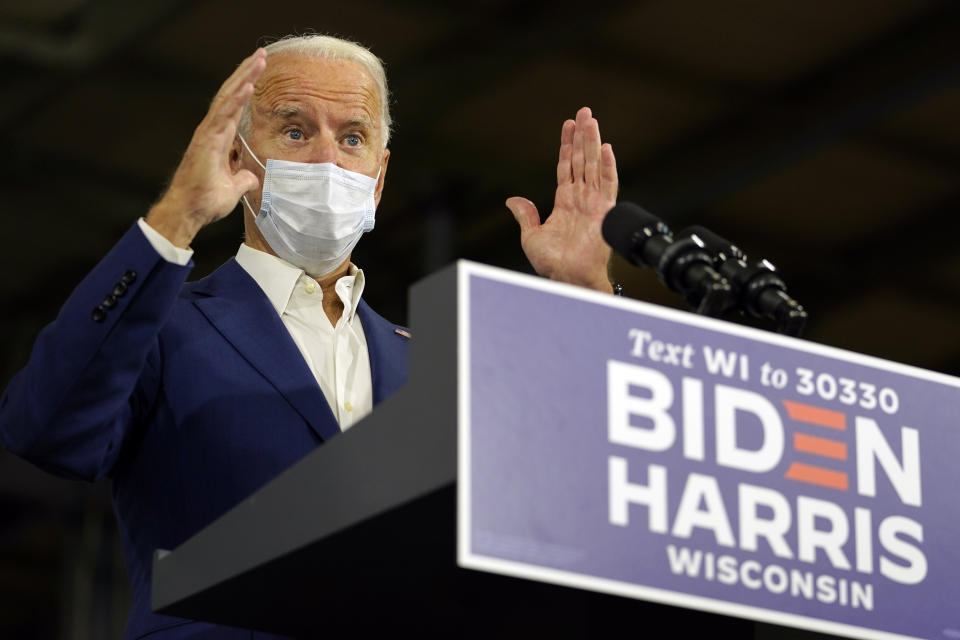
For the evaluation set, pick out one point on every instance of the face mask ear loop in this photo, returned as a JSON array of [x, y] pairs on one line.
[[257, 160], [244, 198], [252, 154]]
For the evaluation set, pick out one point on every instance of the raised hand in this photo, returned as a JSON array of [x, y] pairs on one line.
[[568, 246], [204, 188]]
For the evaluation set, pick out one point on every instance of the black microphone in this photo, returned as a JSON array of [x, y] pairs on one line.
[[683, 265], [758, 288]]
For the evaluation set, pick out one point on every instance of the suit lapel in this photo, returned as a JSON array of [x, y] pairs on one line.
[[388, 353], [238, 309]]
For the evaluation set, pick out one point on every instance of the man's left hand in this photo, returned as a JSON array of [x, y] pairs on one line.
[[568, 246]]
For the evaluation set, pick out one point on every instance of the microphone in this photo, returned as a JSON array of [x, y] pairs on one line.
[[758, 288], [684, 265]]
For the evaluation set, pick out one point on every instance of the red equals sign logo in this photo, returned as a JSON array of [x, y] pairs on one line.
[[818, 446]]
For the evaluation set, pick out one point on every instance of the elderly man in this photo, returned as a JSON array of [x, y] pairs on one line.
[[191, 396]]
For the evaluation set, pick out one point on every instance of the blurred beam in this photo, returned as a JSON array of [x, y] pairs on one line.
[[916, 151], [840, 99], [906, 256], [37, 65], [22, 167], [525, 32], [101, 27]]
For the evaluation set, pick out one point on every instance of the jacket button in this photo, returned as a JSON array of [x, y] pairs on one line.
[[99, 314], [120, 288], [109, 301], [129, 276]]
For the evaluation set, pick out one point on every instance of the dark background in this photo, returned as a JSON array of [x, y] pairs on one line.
[[824, 136]]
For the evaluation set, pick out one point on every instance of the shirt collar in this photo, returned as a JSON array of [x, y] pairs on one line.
[[277, 278]]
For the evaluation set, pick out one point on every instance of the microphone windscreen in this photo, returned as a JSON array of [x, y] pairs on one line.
[[623, 222]]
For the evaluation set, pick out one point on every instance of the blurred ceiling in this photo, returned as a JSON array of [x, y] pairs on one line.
[[823, 136]]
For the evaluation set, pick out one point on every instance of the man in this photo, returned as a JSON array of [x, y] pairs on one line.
[[192, 396]]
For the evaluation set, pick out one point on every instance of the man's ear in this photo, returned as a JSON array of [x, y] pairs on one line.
[[383, 175]]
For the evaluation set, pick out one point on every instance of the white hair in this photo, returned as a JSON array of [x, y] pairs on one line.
[[332, 48]]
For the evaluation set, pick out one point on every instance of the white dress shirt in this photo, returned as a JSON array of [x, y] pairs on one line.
[[336, 355]]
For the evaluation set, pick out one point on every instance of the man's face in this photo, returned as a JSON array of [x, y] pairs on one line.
[[307, 109]]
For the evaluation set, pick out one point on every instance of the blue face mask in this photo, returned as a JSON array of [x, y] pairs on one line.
[[312, 215]]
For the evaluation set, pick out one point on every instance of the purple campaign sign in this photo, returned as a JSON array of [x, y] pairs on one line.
[[621, 447]]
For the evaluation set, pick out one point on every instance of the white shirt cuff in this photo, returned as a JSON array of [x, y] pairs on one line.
[[167, 250]]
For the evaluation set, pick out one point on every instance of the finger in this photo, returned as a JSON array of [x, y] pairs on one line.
[[578, 160], [217, 131], [591, 152], [227, 107], [228, 115], [247, 71], [564, 170], [609, 181], [237, 84], [525, 213]]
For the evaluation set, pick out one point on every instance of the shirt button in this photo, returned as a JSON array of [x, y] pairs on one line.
[[348, 406], [310, 287]]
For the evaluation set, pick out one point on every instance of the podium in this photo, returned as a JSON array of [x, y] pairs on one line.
[[360, 535], [365, 535]]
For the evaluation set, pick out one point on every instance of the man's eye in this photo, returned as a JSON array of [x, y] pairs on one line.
[[353, 140], [295, 134]]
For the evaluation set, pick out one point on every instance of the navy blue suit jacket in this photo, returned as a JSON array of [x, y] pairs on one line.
[[189, 397]]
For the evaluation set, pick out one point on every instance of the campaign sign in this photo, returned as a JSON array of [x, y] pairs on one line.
[[621, 447]]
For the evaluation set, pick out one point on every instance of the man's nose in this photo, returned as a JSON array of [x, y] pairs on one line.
[[323, 149]]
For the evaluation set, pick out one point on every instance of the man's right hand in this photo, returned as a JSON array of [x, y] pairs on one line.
[[204, 188]]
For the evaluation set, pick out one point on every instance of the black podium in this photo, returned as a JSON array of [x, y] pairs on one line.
[[360, 536]]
